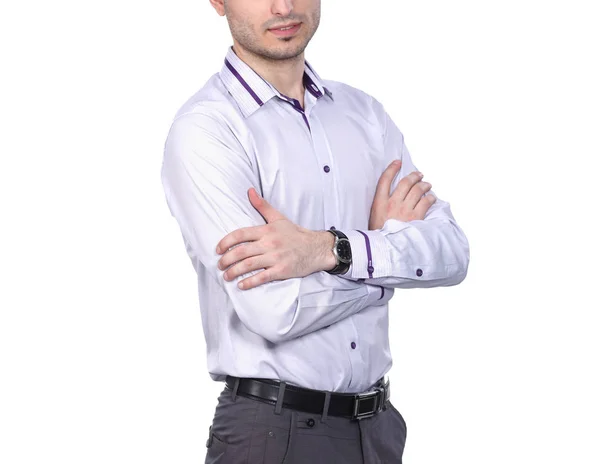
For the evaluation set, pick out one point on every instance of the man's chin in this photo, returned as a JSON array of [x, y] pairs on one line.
[[282, 52]]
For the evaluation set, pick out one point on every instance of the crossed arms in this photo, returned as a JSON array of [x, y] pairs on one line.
[[206, 178]]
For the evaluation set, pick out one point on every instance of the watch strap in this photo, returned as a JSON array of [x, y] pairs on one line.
[[340, 267]]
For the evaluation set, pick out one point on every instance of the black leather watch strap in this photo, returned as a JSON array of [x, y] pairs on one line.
[[341, 267]]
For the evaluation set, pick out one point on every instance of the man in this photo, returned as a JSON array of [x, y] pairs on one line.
[[300, 227]]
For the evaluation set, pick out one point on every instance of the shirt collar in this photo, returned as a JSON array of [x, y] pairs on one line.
[[251, 91]]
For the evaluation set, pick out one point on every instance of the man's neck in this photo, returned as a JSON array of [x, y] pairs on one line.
[[285, 75]]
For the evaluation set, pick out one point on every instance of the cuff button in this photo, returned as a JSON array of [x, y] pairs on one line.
[[419, 272]]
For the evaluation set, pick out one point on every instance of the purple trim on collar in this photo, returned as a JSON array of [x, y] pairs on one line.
[[243, 82], [296, 105], [311, 86]]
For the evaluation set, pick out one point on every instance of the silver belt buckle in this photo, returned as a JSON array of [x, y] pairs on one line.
[[377, 396]]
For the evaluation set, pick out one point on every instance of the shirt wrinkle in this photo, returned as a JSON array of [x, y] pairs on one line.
[[322, 331]]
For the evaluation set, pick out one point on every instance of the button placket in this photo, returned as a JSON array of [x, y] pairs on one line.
[[324, 158], [298, 107], [356, 358]]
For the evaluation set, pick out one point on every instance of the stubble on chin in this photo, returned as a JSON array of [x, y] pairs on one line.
[[243, 33]]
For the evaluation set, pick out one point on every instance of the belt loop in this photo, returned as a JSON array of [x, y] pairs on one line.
[[235, 388], [386, 394], [279, 404], [326, 406]]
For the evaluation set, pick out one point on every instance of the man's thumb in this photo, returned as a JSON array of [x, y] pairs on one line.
[[263, 207]]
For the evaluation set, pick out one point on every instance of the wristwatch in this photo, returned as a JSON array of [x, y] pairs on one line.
[[342, 251]]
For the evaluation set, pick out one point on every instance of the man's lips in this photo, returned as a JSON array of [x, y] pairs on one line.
[[286, 32]]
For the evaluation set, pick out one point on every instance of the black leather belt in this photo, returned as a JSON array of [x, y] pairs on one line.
[[349, 405]]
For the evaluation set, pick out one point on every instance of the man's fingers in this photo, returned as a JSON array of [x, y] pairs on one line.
[[257, 279], [416, 193], [384, 183], [405, 185], [246, 266], [424, 204], [245, 234], [239, 253]]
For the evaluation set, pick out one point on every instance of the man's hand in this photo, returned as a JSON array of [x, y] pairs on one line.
[[283, 248], [407, 203]]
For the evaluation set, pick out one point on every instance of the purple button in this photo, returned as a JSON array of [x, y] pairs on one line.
[[371, 269], [419, 272], [353, 345], [326, 168], [332, 227]]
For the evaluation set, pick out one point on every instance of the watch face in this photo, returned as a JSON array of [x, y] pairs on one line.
[[344, 251]]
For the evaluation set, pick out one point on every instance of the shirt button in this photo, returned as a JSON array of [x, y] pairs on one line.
[[353, 345], [310, 422], [332, 227], [419, 272], [326, 168]]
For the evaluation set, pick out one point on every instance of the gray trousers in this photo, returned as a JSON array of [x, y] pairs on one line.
[[248, 431]]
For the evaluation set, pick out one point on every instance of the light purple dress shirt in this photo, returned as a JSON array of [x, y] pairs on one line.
[[319, 165]]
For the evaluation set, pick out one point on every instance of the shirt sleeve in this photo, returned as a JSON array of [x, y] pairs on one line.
[[432, 252], [206, 175]]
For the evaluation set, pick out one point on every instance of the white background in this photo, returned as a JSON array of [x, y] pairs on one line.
[[102, 357]]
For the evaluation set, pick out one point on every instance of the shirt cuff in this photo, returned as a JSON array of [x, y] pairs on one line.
[[370, 254]]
